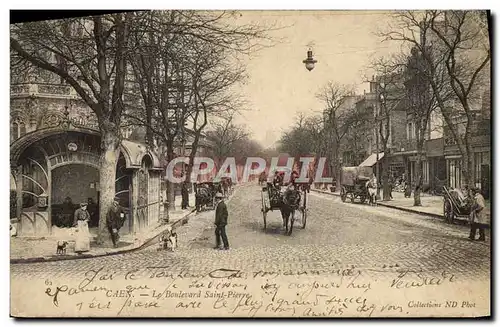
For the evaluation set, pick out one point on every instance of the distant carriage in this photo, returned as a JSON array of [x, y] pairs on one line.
[[205, 195], [354, 183], [454, 206], [291, 201]]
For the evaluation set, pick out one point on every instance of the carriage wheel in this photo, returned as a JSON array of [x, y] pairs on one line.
[[264, 210], [449, 215], [343, 195], [304, 211], [292, 220], [304, 217], [264, 215]]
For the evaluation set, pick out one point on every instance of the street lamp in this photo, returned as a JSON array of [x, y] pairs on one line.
[[309, 61]]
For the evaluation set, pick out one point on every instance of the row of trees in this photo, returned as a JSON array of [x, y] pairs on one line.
[[164, 71], [443, 68], [447, 72]]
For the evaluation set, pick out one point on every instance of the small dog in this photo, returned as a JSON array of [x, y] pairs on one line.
[[168, 237], [61, 247]]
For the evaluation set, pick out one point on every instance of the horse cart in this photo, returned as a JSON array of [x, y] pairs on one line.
[[455, 205], [354, 180], [290, 201], [205, 195]]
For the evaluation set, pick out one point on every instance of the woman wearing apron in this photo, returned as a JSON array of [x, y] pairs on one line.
[[82, 217]]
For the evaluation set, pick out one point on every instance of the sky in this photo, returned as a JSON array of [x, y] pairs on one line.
[[279, 86]]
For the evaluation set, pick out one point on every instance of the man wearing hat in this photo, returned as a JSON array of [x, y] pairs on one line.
[[220, 222], [114, 220], [477, 217]]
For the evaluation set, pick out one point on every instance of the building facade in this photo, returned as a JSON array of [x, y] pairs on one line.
[[55, 151]]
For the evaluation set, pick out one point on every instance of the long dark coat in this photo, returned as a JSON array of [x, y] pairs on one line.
[[221, 214], [113, 219]]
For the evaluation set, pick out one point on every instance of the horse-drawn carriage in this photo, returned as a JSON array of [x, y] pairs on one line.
[[290, 200], [455, 204], [354, 183], [205, 195]]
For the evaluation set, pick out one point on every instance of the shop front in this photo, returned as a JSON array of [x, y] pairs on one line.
[[54, 169]]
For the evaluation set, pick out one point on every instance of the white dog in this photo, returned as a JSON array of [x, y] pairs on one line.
[[168, 237]]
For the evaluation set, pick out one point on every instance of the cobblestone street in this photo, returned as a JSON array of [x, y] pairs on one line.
[[337, 234]]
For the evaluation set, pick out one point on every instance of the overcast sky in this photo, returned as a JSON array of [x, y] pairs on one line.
[[279, 86]]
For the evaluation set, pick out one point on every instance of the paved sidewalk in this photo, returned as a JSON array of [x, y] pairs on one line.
[[431, 205], [29, 249]]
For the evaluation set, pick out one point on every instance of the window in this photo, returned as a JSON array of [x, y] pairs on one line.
[[454, 173], [17, 129], [410, 131], [425, 172], [480, 158]]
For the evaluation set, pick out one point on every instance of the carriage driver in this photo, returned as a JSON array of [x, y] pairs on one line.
[[278, 179]]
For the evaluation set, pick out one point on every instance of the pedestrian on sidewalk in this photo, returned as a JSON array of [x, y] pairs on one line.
[[81, 222], [221, 216], [372, 185], [114, 221], [391, 185], [477, 216]]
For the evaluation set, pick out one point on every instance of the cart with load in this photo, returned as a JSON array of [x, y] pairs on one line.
[[455, 205], [354, 181]]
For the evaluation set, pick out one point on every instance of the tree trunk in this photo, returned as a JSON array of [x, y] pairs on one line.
[[107, 176], [385, 177], [419, 173], [192, 154], [169, 184], [467, 164]]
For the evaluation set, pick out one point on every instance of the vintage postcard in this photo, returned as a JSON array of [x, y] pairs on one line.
[[180, 163]]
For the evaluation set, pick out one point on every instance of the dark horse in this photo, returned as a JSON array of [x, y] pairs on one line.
[[290, 202]]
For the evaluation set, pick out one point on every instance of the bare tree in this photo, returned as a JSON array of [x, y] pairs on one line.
[[457, 42], [421, 104], [389, 97], [91, 56], [226, 138], [339, 115], [184, 69]]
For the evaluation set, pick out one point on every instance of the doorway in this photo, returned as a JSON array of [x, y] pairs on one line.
[[71, 185]]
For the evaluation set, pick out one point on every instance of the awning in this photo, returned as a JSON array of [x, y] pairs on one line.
[[372, 159], [134, 152]]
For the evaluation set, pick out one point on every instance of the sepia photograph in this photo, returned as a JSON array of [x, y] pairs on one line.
[[250, 163]]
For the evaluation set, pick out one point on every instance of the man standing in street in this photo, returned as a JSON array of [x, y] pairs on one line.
[[114, 221], [477, 217], [221, 216]]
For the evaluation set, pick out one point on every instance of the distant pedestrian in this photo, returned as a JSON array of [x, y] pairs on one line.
[[478, 218], [114, 221], [372, 185], [391, 185], [185, 195], [81, 222], [221, 216], [93, 210]]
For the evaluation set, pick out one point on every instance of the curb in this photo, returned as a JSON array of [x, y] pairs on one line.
[[429, 214], [181, 221]]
